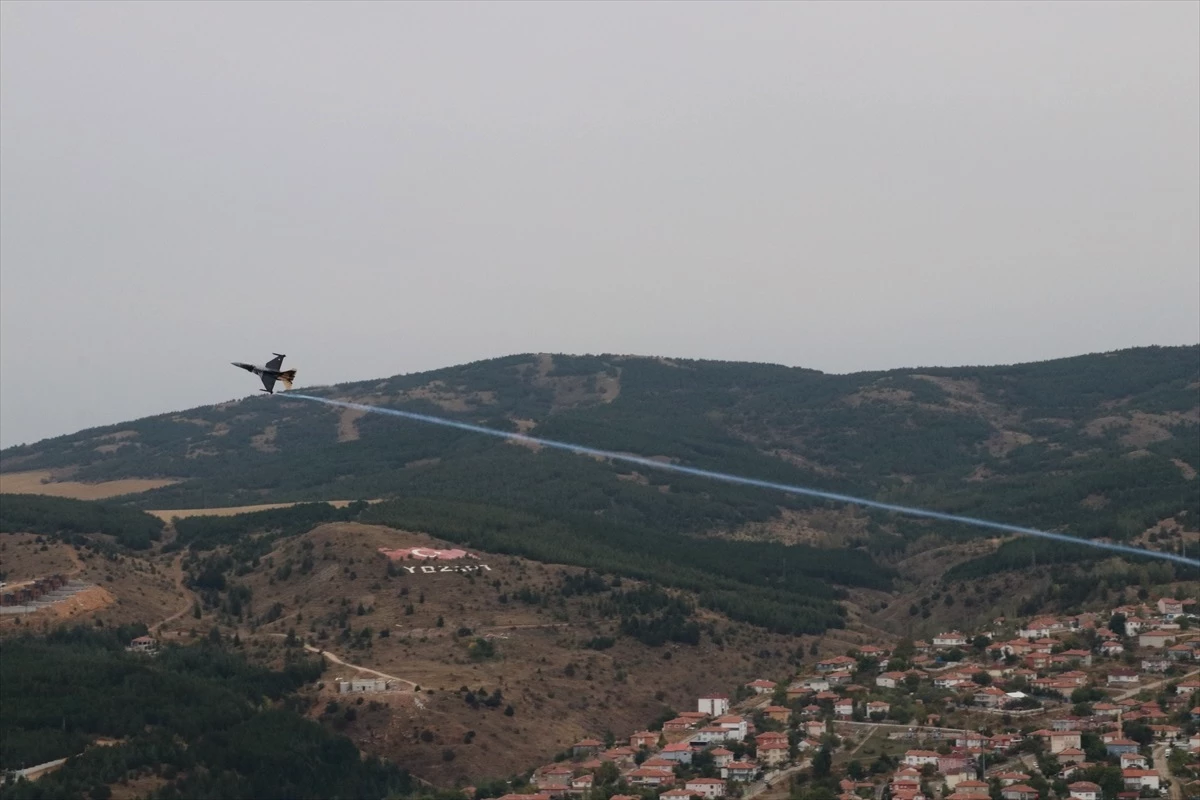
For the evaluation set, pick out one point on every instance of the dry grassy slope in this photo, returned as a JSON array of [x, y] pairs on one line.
[[130, 589], [538, 651]]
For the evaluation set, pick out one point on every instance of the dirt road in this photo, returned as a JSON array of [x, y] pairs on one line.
[[336, 660]]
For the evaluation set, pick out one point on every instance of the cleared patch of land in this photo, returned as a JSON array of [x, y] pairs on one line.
[[166, 515], [43, 482]]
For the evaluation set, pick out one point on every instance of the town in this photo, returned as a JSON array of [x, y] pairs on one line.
[[1102, 706]]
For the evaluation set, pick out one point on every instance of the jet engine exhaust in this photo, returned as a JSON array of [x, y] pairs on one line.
[[736, 479], [287, 377]]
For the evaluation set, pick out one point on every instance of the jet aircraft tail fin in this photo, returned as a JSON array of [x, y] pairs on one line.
[[287, 377]]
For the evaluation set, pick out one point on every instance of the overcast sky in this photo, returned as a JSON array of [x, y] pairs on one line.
[[379, 188]]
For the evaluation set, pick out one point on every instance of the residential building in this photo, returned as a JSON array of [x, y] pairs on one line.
[[739, 771], [710, 788], [714, 705], [761, 686], [1085, 790], [1138, 779], [1019, 791]]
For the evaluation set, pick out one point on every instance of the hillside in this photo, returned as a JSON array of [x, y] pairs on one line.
[[531, 657], [1098, 445]]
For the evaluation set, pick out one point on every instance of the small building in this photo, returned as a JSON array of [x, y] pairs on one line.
[[143, 644], [1019, 791], [362, 685], [643, 739], [680, 752], [739, 771], [778, 713], [714, 705], [708, 788], [761, 686], [1084, 790]]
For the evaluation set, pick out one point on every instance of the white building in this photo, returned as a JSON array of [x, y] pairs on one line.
[[714, 705]]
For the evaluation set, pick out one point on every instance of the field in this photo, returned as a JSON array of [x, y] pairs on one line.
[[44, 481]]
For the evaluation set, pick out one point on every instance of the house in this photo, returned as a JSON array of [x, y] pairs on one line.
[[840, 678], [1072, 755], [844, 708], [837, 663], [676, 794], [817, 684], [1138, 779], [708, 735], [1080, 657], [143, 644], [814, 728], [1062, 740], [680, 752], [950, 764], [1133, 761], [878, 707], [761, 686], [871, 651], [740, 771], [1169, 608], [552, 777], [678, 724], [778, 713], [735, 725], [651, 776], [1005, 741], [956, 777], [890, 680], [951, 639], [714, 705], [587, 747], [1156, 664], [773, 753], [1111, 648], [919, 758], [1039, 628], [1118, 746], [707, 788], [1158, 638], [971, 740], [1084, 790], [990, 697], [1181, 652], [1123, 677], [950, 680], [798, 691], [643, 739], [721, 756], [1019, 791], [1166, 732], [583, 783], [1107, 710]]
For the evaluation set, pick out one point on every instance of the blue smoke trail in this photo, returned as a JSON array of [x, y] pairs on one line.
[[782, 487]]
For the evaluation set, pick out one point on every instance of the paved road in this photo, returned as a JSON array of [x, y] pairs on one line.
[[1155, 685], [773, 779]]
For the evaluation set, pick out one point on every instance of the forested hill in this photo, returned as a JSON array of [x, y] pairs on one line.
[[1097, 445]]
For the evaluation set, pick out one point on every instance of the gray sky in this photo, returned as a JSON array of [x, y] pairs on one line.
[[379, 188]]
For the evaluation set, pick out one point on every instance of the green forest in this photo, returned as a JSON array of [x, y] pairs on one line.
[[201, 718], [1101, 445]]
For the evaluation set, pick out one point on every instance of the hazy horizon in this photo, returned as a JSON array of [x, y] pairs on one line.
[[377, 189]]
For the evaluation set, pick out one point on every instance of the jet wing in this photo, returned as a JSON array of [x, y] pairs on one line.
[[269, 382], [276, 362]]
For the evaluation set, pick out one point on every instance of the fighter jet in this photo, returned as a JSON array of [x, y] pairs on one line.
[[270, 373]]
